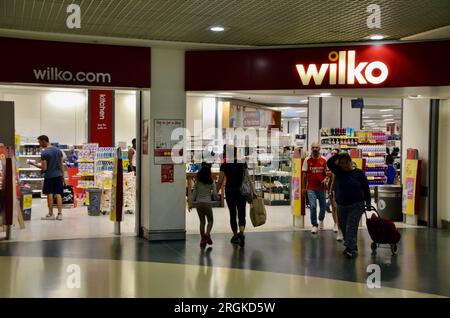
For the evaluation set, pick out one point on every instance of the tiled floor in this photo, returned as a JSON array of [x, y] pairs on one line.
[[273, 264], [76, 223]]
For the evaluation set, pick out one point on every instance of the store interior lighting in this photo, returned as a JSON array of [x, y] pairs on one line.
[[217, 29], [377, 37], [65, 99]]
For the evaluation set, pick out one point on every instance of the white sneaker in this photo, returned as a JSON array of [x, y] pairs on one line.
[[314, 230], [59, 217], [48, 217], [321, 225], [340, 237], [335, 228]]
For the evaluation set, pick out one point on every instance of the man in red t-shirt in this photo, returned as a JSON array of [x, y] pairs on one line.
[[314, 184]]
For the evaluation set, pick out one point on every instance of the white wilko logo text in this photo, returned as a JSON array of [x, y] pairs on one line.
[[54, 74]]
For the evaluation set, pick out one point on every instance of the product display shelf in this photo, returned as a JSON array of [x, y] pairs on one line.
[[86, 159], [343, 138], [373, 148], [30, 176], [104, 165], [273, 182]]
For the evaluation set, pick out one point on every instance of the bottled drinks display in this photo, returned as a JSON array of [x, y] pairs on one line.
[[106, 153], [30, 150], [335, 132]]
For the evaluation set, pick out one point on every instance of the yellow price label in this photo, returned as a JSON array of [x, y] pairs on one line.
[[108, 183], [370, 178]]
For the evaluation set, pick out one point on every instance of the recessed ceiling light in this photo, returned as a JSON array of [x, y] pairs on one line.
[[377, 37], [217, 29], [386, 110], [390, 119], [414, 96], [303, 101], [388, 115], [300, 111], [325, 94]]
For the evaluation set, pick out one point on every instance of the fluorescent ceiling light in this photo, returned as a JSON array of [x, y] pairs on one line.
[[325, 94], [303, 101], [390, 119], [377, 37], [414, 96], [217, 28], [386, 110], [365, 117], [389, 115], [300, 111]]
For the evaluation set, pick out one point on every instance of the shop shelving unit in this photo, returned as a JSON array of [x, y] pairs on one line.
[[104, 164], [29, 174], [373, 148], [86, 160]]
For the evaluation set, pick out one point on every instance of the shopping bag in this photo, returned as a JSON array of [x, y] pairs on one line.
[[258, 214], [245, 188], [68, 197]]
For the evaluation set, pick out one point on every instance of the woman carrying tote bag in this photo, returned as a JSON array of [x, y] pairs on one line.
[[232, 173]]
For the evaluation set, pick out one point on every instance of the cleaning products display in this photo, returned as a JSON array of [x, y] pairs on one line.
[[104, 167], [86, 156], [129, 192]]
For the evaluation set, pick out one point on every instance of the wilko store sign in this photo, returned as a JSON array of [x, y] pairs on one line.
[[61, 63], [358, 66], [344, 70]]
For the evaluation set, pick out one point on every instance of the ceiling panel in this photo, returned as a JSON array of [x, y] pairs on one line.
[[248, 22]]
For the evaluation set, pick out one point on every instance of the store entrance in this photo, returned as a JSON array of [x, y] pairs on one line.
[[372, 132], [270, 165], [63, 115]]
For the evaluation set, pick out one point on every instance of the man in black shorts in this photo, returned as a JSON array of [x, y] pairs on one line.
[[53, 167]]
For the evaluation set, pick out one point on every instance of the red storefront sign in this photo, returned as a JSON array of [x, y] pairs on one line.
[[357, 66], [101, 117], [61, 63]]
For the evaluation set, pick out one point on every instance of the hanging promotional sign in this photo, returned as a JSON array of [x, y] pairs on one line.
[[411, 185], [101, 117], [298, 199]]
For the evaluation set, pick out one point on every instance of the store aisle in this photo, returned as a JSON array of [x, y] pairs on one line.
[[76, 223]]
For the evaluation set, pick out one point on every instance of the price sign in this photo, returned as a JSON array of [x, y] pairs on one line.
[[27, 201]]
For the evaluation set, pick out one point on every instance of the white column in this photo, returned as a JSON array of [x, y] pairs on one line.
[[164, 211], [443, 166], [331, 112], [416, 122], [313, 121], [351, 117]]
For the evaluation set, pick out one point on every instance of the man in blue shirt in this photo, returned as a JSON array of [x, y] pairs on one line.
[[52, 166]]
